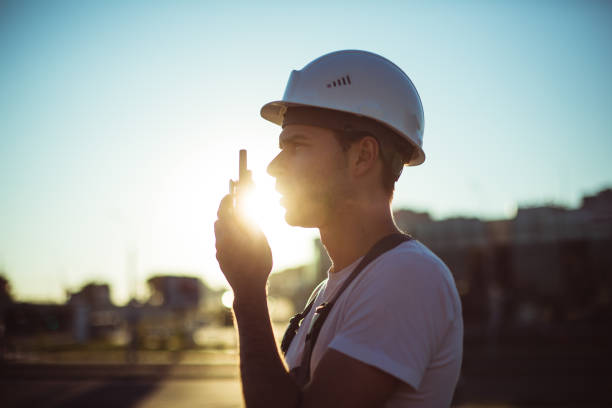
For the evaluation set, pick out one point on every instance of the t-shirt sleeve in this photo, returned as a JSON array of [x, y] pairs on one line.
[[397, 315]]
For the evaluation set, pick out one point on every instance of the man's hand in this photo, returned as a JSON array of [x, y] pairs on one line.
[[242, 250]]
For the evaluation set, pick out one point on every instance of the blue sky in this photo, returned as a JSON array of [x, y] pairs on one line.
[[120, 122]]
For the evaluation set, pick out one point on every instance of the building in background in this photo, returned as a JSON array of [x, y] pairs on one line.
[[293, 285], [176, 308], [94, 315], [546, 266]]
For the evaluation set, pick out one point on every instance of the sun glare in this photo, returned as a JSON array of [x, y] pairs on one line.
[[250, 207], [290, 246], [260, 207]]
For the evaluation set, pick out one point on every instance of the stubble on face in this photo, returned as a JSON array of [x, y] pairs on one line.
[[317, 199], [317, 181]]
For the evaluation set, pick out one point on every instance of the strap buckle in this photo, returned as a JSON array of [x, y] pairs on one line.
[[320, 313]]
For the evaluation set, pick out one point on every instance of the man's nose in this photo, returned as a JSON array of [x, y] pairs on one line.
[[273, 168]]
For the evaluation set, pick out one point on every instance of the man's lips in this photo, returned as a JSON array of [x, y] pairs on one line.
[[284, 192], [281, 188]]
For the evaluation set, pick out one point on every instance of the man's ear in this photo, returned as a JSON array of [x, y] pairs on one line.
[[366, 154]]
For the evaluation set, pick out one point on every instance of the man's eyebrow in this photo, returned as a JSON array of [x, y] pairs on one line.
[[296, 137]]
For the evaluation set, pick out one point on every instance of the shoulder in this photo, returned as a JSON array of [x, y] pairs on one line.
[[410, 261], [410, 274], [397, 311]]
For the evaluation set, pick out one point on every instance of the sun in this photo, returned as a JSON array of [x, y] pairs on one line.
[[261, 208], [250, 205]]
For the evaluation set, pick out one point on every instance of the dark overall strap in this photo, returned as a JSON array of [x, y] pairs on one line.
[[301, 373], [296, 320]]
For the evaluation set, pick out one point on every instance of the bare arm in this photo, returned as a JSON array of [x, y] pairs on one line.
[[265, 380]]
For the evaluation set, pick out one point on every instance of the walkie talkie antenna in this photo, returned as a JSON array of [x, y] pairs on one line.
[[239, 187], [243, 174]]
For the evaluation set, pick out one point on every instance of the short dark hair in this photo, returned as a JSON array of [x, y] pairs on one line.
[[392, 164]]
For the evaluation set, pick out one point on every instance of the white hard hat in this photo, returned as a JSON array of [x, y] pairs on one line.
[[359, 83]]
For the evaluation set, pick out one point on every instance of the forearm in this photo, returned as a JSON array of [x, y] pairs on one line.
[[265, 381]]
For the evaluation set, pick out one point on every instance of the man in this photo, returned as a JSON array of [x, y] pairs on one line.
[[351, 120]]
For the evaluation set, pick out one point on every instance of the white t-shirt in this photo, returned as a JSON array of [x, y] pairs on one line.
[[402, 314]]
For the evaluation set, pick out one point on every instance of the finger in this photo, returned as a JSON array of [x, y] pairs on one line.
[[228, 234], [223, 234], [226, 207]]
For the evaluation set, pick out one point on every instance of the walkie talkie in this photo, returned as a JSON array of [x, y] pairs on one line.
[[244, 179]]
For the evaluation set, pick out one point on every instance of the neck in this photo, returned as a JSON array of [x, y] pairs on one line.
[[353, 231]]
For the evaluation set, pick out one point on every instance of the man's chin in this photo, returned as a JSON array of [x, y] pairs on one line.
[[297, 218]]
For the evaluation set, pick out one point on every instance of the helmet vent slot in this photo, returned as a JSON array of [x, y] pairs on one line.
[[344, 81]]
